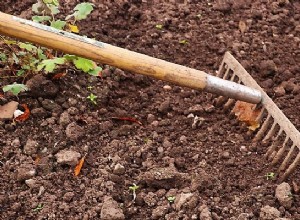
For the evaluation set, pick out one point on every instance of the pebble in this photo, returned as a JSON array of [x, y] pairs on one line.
[[7, 110], [164, 106], [16, 143], [279, 91], [74, 131], [283, 194], [150, 118], [119, 169], [243, 148], [181, 200], [31, 147], [64, 118], [167, 88], [111, 210], [269, 213], [31, 183], [25, 171], [68, 157]]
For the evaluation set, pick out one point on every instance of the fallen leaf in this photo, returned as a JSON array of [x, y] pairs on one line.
[[247, 113], [79, 166], [24, 116], [73, 28], [37, 160], [128, 119], [59, 75], [242, 27]]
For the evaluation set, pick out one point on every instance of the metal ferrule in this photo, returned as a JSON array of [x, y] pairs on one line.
[[232, 90]]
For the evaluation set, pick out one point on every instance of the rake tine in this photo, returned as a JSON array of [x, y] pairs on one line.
[[279, 154], [263, 129], [291, 168], [287, 159], [270, 132]]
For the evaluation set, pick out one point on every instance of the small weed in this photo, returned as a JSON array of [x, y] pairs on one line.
[[92, 98], [15, 88], [133, 188], [38, 208], [171, 199], [183, 42], [159, 26], [270, 176]]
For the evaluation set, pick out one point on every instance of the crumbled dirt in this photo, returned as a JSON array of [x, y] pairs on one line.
[[212, 169]]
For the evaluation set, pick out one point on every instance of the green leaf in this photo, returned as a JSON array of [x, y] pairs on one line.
[[51, 2], [50, 64], [41, 18], [20, 72], [58, 24], [83, 64], [3, 57], [95, 72], [54, 9], [15, 88], [70, 57], [82, 10], [41, 54], [28, 47], [183, 41]]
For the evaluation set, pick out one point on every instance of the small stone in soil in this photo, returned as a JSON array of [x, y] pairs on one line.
[[68, 157], [7, 110], [269, 213], [25, 171], [74, 131], [111, 210], [31, 147], [119, 169], [182, 199], [283, 194]]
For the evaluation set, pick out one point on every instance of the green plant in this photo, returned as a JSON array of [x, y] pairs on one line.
[[24, 59], [92, 98], [159, 26], [183, 41], [15, 88], [270, 176], [133, 188], [38, 208], [171, 199]]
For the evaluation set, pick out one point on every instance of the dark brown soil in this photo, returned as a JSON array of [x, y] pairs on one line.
[[214, 165]]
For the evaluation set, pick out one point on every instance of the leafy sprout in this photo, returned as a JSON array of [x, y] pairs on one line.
[[159, 26], [15, 88], [171, 199], [270, 176], [92, 98], [38, 208], [133, 188]]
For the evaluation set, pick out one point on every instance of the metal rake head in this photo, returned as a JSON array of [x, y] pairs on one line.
[[275, 126]]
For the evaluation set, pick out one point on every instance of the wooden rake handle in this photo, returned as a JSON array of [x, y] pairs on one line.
[[124, 59]]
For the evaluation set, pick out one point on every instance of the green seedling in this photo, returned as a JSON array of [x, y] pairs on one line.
[[15, 88], [92, 98], [183, 41], [38, 208], [90, 88], [133, 188], [171, 199], [270, 176], [159, 26]]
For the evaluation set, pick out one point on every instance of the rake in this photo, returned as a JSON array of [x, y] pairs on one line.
[[232, 81]]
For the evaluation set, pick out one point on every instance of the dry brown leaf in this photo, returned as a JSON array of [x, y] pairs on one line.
[[247, 113], [242, 27], [79, 166], [24, 116]]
